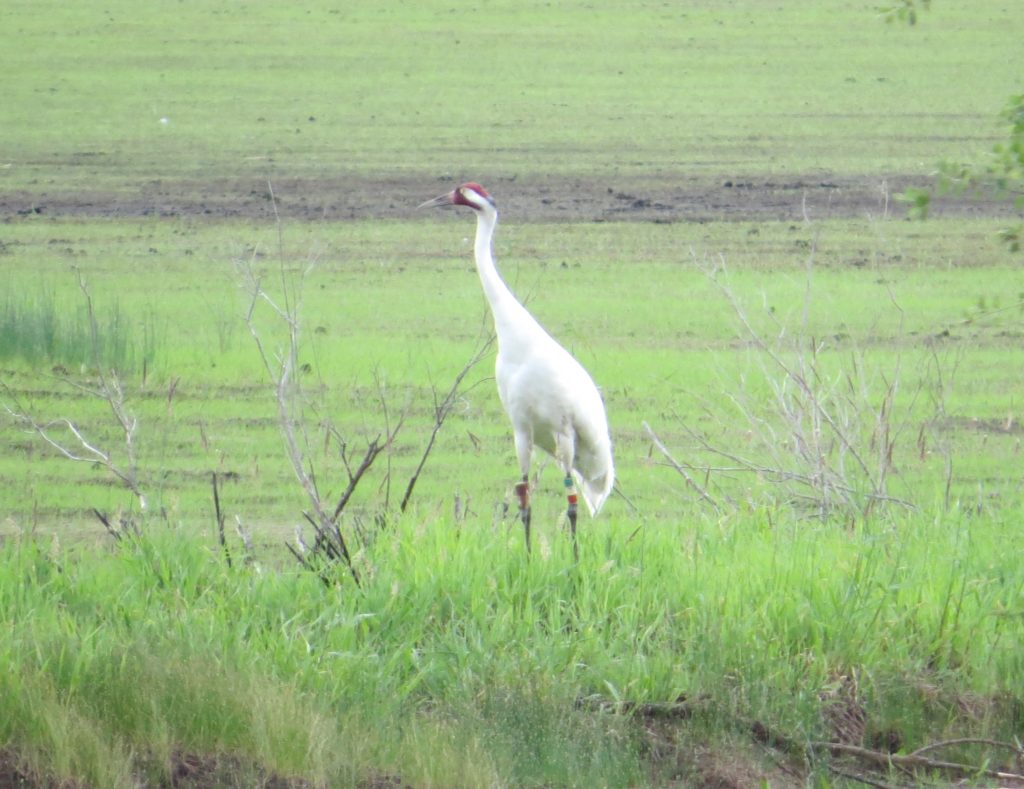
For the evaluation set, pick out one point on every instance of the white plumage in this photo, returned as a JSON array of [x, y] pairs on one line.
[[550, 399]]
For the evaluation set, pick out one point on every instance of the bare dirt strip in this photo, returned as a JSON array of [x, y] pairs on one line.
[[529, 199]]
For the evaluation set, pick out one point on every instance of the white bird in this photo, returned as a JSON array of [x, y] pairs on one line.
[[550, 399]]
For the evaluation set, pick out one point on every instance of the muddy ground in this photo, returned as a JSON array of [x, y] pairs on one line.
[[528, 199]]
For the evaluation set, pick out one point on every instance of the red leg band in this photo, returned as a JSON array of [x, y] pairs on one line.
[[523, 492]]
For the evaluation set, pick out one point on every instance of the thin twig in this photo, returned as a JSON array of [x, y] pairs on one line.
[[113, 394], [679, 468], [220, 519], [106, 525], [836, 442], [372, 451], [288, 395], [246, 537], [912, 761], [88, 452], [934, 746], [862, 779], [798, 379], [441, 412]]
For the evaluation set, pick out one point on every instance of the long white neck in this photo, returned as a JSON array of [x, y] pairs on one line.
[[509, 315]]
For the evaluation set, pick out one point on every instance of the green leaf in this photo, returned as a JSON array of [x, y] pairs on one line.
[[918, 202]]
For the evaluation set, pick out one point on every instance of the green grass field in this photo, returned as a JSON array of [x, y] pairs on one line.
[[868, 597], [635, 88]]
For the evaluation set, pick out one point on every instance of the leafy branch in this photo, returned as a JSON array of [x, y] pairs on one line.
[[904, 11]]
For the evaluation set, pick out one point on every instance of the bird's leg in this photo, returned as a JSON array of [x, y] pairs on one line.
[[523, 492], [570, 492]]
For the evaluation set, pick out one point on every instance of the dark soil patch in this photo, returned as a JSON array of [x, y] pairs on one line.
[[527, 199], [1007, 426], [187, 771], [11, 776]]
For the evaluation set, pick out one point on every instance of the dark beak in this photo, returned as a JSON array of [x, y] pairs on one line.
[[445, 199]]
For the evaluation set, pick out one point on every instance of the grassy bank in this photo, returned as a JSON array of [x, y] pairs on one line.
[[460, 663]]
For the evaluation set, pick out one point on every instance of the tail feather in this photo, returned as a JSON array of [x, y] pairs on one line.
[[596, 490], [594, 463]]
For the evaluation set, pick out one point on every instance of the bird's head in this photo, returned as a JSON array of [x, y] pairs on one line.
[[469, 194]]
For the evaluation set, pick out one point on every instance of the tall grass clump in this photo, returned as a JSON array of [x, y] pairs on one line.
[[133, 661], [458, 660], [39, 328], [106, 691]]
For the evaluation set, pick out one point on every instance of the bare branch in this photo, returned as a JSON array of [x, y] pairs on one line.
[[934, 746], [245, 536], [372, 451], [798, 378], [827, 436], [913, 761], [86, 451], [442, 410], [220, 519], [679, 468], [282, 372]]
